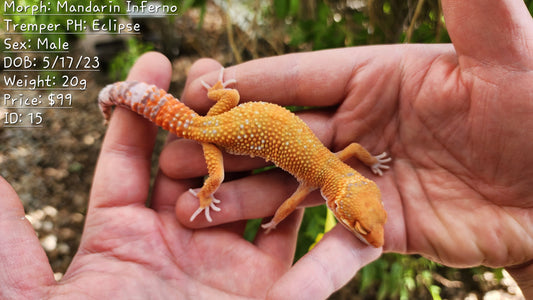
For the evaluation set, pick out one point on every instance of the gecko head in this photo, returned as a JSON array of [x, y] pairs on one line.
[[357, 204]]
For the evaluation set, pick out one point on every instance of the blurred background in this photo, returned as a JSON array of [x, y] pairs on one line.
[[51, 167]]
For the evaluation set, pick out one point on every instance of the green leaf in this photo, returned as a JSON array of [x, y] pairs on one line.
[[434, 290], [281, 8], [251, 229]]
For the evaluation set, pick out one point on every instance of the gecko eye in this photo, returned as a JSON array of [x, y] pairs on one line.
[[360, 228]]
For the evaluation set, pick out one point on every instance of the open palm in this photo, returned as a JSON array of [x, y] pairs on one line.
[[131, 251], [457, 120]]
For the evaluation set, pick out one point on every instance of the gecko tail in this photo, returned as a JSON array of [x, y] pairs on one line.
[[107, 99], [147, 100], [137, 96]]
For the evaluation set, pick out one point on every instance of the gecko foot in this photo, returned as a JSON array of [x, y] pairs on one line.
[[269, 226], [223, 84], [211, 206], [378, 167]]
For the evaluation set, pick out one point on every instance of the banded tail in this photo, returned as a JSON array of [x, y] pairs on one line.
[[149, 101]]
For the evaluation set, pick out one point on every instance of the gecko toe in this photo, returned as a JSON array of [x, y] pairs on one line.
[[207, 216], [380, 165], [226, 83], [206, 85], [195, 214], [214, 207], [269, 226], [206, 210], [193, 192]]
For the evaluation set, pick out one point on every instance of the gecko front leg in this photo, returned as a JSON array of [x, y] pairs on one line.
[[288, 206], [376, 163]]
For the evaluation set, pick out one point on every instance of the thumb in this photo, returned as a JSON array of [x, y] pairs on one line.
[[493, 32], [24, 267], [326, 268]]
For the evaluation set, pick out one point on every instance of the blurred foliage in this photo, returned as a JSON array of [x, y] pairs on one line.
[[313, 226], [315, 25], [395, 276], [122, 62]]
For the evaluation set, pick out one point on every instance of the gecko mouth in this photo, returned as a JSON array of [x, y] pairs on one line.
[[360, 236]]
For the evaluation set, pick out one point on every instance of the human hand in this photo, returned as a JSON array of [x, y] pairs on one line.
[[456, 119], [132, 251]]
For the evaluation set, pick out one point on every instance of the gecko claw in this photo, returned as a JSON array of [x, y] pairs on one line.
[[224, 84], [195, 194], [221, 79], [269, 226], [206, 212], [378, 167], [196, 213], [206, 85], [212, 206]]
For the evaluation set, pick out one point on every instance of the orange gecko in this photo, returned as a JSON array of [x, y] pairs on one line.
[[269, 131]]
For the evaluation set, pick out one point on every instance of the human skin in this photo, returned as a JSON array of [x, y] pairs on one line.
[[456, 119], [130, 251]]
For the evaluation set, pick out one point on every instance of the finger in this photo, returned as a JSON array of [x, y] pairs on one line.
[[326, 268], [123, 170], [167, 190], [281, 242], [491, 34], [195, 94], [22, 259], [252, 197], [523, 275], [320, 78], [173, 163]]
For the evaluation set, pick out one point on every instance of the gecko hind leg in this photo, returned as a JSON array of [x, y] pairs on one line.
[[225, 98], [376, 163], [215, 168]]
